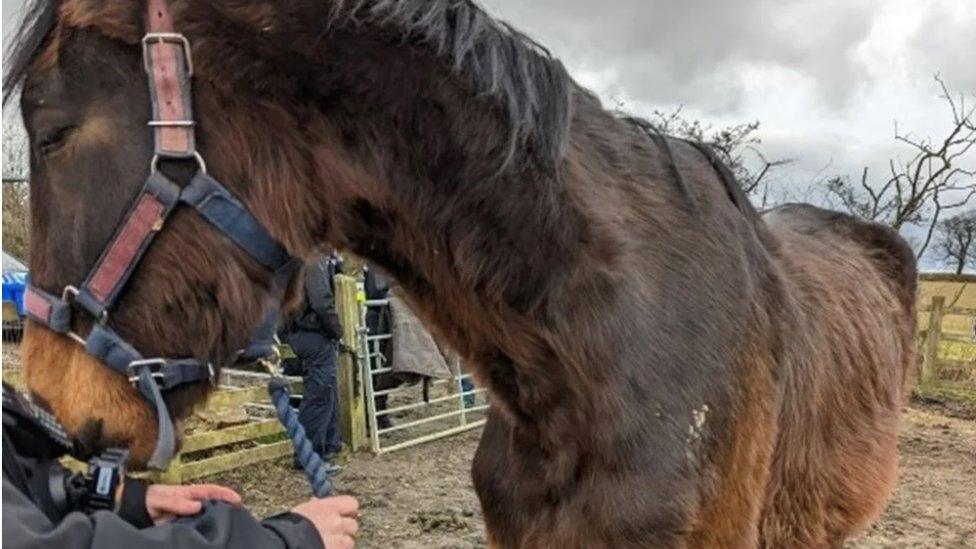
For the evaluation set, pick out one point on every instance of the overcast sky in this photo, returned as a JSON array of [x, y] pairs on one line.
[[826, 78]]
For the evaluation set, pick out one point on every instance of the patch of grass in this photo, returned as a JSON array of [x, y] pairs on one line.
[[957, 350], [941, 392]]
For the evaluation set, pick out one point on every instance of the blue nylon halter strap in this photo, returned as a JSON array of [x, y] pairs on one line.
[[151, 376], [168, 63]]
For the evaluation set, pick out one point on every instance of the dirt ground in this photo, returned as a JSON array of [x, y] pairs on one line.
[[422, 497]]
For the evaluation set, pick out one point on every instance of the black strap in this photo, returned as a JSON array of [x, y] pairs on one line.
[[132, 508]]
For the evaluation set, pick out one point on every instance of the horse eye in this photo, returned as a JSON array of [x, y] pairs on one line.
[[53, 140]]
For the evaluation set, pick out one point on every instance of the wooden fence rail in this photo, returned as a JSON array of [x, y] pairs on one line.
[[932, 379], [262, 438], [265, 437]]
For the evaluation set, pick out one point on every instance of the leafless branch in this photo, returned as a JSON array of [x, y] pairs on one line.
[[938, 176]]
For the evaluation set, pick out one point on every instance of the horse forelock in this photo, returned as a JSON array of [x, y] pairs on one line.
[[37, 40], [39, 18]]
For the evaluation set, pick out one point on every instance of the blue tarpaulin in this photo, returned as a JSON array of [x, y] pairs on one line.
[[14, 281]]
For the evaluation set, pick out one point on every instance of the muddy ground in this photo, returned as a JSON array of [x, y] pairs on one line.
[[422, 497]]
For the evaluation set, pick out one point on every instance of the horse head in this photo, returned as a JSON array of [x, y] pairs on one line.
[[332, 134], [195, 294]]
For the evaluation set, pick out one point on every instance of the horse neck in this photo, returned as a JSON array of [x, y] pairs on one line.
[[401, 162], [463, 238], [477, 252]]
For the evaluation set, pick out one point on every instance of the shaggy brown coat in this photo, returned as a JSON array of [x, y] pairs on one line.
[[666, 368]]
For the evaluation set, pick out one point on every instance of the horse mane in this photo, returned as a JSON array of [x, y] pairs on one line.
[[39, 19], [501, 63]]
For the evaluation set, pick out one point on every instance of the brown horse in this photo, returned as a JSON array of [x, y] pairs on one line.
[[667, 368]]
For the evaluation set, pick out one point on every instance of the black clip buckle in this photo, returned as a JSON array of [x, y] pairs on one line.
[[105, 474]]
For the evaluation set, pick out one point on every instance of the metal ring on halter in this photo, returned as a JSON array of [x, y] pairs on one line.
[[67, 296], [73, 292], [163, 37], [69, 291], [154, 163]]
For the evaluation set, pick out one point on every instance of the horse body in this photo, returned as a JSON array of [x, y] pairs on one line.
[[742, 381], [854, 285], [667, 369]]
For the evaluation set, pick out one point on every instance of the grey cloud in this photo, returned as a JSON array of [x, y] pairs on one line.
[[693, 52], [946, 42]]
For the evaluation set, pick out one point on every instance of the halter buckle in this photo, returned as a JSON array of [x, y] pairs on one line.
[[135, 369], [162, 38]]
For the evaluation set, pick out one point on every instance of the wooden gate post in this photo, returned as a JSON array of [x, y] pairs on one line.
[[931, 364], [352, 404], [174, 473]]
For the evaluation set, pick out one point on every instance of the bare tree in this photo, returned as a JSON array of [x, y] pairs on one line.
[[16, 160], [956, 240], [739, 147], [16, 219], [938, 176], [16, 152]]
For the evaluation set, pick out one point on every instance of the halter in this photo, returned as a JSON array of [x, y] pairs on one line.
[[168, 63]]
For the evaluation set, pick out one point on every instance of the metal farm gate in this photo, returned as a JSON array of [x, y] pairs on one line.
[[419, 413]]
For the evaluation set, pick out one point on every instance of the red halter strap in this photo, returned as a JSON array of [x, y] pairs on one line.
[[166, 55]]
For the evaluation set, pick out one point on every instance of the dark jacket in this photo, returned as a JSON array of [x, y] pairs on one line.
[[319, 314], [219, 525]]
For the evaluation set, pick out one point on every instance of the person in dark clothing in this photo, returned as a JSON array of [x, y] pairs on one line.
[[314, 337], [47, 506]]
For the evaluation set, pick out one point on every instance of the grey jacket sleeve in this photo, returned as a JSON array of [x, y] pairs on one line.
[[319, 291], [218, 526]]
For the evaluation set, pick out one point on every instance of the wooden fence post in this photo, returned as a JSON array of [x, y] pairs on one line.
[[352, 405], [934, 333], [174, 473]]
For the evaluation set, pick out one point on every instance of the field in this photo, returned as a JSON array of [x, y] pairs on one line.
[[956, 294]]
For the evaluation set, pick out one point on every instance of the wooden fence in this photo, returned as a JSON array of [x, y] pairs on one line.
[[262, 438], [259, 438], [953, 376]]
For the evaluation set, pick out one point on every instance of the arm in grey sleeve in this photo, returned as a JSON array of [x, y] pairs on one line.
[[319, 291], [219, 526]]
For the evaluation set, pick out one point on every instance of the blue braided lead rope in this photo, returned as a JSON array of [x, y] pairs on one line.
[[279, 389]]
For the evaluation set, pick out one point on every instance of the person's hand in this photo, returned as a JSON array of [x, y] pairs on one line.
[[334, 518], [164, 503]]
